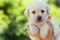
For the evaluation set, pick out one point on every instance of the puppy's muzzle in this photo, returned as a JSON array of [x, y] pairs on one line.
[[39, 18]]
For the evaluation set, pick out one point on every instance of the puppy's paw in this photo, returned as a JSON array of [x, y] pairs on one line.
[[44, 33], [33, 29]]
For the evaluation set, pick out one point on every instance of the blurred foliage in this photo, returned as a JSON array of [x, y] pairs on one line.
[[56, 2], [13, 21], [55, 12]]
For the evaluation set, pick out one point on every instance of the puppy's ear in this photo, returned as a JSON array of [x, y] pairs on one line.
[[26, 12], [48, 9]]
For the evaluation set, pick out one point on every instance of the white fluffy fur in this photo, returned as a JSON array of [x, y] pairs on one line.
[[32, 28], [44, 30]]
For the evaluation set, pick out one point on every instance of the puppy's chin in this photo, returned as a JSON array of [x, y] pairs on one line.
[[38, 23]]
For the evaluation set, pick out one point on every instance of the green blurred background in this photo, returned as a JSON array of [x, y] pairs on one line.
[[12, 19]]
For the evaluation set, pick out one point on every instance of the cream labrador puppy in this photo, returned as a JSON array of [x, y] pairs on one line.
[[37, 14]]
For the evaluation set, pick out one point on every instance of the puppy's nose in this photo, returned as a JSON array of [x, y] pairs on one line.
[[39, 18]]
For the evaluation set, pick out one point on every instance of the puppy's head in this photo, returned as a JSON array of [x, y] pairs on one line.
[[37, 13]]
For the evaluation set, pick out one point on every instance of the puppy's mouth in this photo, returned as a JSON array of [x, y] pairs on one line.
[[38, 22]]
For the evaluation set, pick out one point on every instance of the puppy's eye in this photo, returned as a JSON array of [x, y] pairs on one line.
[[33, 12], [42, 11]]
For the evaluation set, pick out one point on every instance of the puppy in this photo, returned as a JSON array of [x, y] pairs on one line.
[[38, 29]]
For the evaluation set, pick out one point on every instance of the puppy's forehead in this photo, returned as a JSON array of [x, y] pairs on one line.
[[37, 5]]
